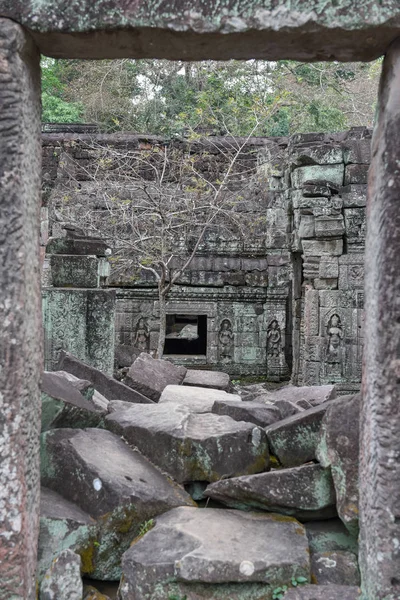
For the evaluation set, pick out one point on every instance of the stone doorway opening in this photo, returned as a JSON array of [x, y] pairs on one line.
[[186, 335]]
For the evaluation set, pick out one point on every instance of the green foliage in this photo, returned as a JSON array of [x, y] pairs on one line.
[[146, 526], [173, 98], [279, 592], [55, 108]]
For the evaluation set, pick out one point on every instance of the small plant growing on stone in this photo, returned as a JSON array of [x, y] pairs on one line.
[[279, 592], [176, 597], [146, 526]]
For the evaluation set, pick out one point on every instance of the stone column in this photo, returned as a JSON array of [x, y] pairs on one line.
[[380, 422], [20, 312]]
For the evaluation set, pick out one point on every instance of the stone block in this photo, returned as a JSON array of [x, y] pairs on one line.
[[306, 228], [196, 399], [304, 492], [74, 271], [351, 272], [62, 581], [77, 246], [326, 283], [311, 372], [330, 536], [357, 151], [329, 173], [207, 379], [150, 376], [311, 313], [191, 446], [315, 154], [313, 348], [338, 568], [116, 486], [355, 224], [294, 440], [252, 411], [329, 226], [235, 555], [105, 384], [324, 592], [328, 267], [339, 449], [315, 190], [356, 174], [354, 195], [319, 205], [332, 247]]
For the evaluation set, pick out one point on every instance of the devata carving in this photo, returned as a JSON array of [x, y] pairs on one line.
[[274, 338], [225, 338], [142, 336], [334, 354]]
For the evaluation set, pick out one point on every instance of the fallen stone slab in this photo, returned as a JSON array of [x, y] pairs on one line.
[[63, 525], [191, 446], [294, 440], [323, 592], [340, 568], [214, 553], [253, 412], [150, 376], [339, 449], [196, 399], [64, 405], [103, 383], [63, 580], [330, 536], [118, 487], [313, 394], [304, 492], [288, 409], [90, 392], [208, 379]]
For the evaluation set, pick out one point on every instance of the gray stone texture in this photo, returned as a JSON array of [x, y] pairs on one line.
[[115, 485], [339, 568], [208, 379], [338, 449], [63, 579], [380, 423], [324, 592], [294, 440], [20, 321], [191, 446], [197, 399], [330, 536], [233, 550], [253, 412], [105, 384], [150, 376], [304, 492]]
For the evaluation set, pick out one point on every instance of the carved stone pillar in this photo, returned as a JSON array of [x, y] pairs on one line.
[[380, 422], [20, 310]]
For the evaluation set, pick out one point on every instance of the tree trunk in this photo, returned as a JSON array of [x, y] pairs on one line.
[[163, 323]]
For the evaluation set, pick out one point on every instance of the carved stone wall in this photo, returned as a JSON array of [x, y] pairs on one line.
[[286, 301]]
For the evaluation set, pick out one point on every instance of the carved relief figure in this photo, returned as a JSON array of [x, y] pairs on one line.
[[225, 338], [274, 338], [142, 336], [335, 339]]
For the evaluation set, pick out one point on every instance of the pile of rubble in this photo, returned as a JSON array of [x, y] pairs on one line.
[[180, 488]]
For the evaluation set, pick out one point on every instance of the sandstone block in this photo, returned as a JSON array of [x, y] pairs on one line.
[[190, 446], [234, 556], [323, 592], [74, 271], [294, 440], [356, 174], [255, 412], [196, 399], [304, 492], [208, 379], [63, 579], [149, 376], [327, 173], [330, 536], [339, 568], [339, 449]]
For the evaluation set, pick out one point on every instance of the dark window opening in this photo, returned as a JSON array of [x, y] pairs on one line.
[[186, 334]]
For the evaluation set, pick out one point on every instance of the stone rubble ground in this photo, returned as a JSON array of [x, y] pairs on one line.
[[278, 491]]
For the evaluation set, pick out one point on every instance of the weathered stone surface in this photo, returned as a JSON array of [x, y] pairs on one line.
[[63, 579], [356, 174], [304, 492], [63, 525], [63, 405], [243, 31], [314, 394], [189, 446], [232, 550], [339, 449], [330, 536], [125, 354], [380, 423], [354, 195], [118, 487], [340, 568], [196, 399], [294, 440], [150, 376], [74, 271], [255, 412], [330, 173], [81, 322], [91, 593], [208, 379], [76, 246], [323, 592], [20, 320], [106, 385]]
